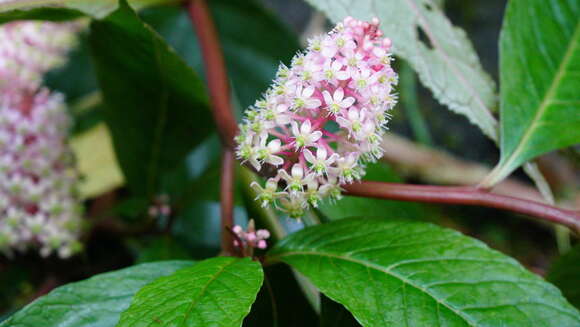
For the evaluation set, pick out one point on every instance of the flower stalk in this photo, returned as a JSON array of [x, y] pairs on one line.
[[223, 115]]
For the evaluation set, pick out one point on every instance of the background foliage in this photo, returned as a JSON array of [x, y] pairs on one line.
[[136, 88]]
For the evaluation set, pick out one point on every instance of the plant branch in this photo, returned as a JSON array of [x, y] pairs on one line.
[[217, 80], [227, 128], [215, 70], [227, 201], [464, 195]]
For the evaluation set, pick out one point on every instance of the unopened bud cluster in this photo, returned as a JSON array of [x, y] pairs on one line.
[[323, 117], [39, 207], [250, 238]]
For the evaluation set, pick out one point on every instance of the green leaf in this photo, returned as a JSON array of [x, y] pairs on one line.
[[97, 301], [540, 80], [252, 53], [214, 292], [49, 14], [155, 104], [66, 9], [398, 273], [565, 273], [446, 62]]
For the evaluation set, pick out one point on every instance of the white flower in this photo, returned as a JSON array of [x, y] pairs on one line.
[[332, 72], [361, 79], [266, 153], [312, 194], [304, 98], [293, 205], [268, 194], [337, 102], [297, 181], [331, 189], [346, 168], [304, 136], [278, 114], [353, 121], [321, 162]]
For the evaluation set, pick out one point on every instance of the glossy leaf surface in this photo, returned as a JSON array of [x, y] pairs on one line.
[[214, 292], [397, 273], [97, 301]]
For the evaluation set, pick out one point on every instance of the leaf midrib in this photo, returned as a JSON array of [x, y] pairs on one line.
[[546, 100], [376, 267], [204, 289]]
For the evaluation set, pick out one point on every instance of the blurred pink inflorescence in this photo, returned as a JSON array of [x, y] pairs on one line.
[[251, 238], [322, 118], [29, 49], [39, 206]]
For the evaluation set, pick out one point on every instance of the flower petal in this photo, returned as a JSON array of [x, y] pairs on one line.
[[297, 171], [275, 160], [321, 153], [308, 92], [346, 103], [306, 127], [327, 98], [274, 145], [315, 136], [308, 156], [338, 94]]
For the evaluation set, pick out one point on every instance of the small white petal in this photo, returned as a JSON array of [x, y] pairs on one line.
[[328, 51], [338, 94], [315, 136], [312, 103], [255, 163], [346, 103], [306, 127], [256, 187], [275, 160], [327, 97], [274, 146], [297, 171], [342, 75], [321, 153], [353, 114], [295, 130], [308, 92], [343, 122], [308, 156], [284, 175]]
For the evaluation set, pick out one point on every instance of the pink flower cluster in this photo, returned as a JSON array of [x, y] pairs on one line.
[[251, 238], [38, 199], [29, 49], [323, 117]]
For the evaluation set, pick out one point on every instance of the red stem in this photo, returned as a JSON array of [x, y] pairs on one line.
[[217, 78], [227, 202], [227, 128], [218, 84], [466, 196]]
